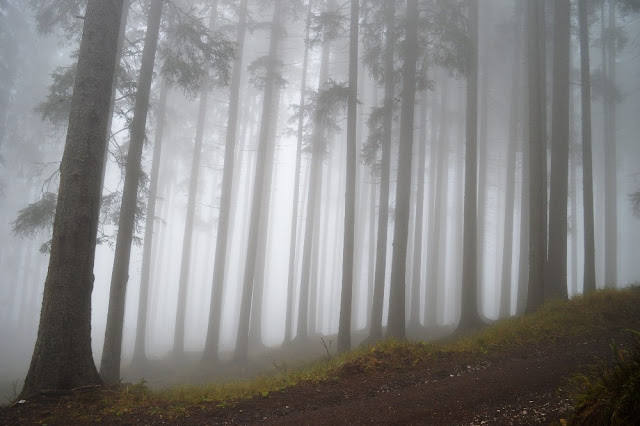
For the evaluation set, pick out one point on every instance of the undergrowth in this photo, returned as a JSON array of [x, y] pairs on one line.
[[610, 393], [554, 320]]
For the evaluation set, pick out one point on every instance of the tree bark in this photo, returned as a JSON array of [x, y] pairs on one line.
[[556, 287], [139, 354], [375, 331], [296, 185], [242, 343], [589, 278], [610, 176], [110, 365], [344, 328], [398, 264], [469, 317], [62, 357]]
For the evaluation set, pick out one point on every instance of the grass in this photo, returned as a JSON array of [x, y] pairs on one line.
[[554, 320], [610, 393]]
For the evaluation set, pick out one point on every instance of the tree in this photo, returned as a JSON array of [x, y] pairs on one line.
[[213, 330], [296, 185], [469, 316], [62, 357], [110, 365], [272, 75], [536, 163], [397, 307], [344, 330], [375, 331], [587, 158], [556, 283]]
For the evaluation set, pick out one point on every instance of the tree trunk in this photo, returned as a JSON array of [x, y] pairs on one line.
[[296, 185], [557, 262], [62, 357], [589, 283], [139, 354], [414, 312], [242, 344], [469, 317], [403, 187], [509, 205], [110, 365], [315, 185], [536, 163], [213, 330], [610, 175], [375, 331], [344, 328]]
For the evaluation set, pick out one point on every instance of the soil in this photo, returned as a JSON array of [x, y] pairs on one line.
[[520, 386]]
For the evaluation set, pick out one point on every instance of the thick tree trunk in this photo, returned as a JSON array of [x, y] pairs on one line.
[[589, 283], [344, 328], [398, 265], [296, 186], [469, 317], [556, 287], [139, 354], [483, 156], [110, 365], [213, 330], [375, 331], [536, 163], [62, 357], [242, 343]]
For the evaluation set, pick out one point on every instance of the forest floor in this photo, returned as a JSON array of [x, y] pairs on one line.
[[515, 372]]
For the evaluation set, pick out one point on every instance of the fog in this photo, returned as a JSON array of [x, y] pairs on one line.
[[31, 147]]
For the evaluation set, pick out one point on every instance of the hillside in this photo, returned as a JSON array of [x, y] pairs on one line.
[[515, 371]]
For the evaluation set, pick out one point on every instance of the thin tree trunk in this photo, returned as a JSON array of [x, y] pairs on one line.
[[557, 262], [414, 313], [215, 312], [242, 343], [469, 317], [296, 185], [62, 357], [110, 365], [509, 205], [589, 283], [344, 328], [375, 331], [536, 163], [139, 354], [397, 290], [610, 176]]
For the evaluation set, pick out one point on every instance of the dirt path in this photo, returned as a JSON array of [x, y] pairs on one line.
[[520, 386]]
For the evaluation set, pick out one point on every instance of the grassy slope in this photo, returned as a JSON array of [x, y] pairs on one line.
[[580, 316]]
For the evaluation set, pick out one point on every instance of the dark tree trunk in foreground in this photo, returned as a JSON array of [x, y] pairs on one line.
[[215, 312], [587, 157], [296, 186], [344, 328], [110, 365], [536, 163], [403, 188], [139, 354], [557, 261], [242, 343], [62, 357], [375, 331], [469, 317]]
